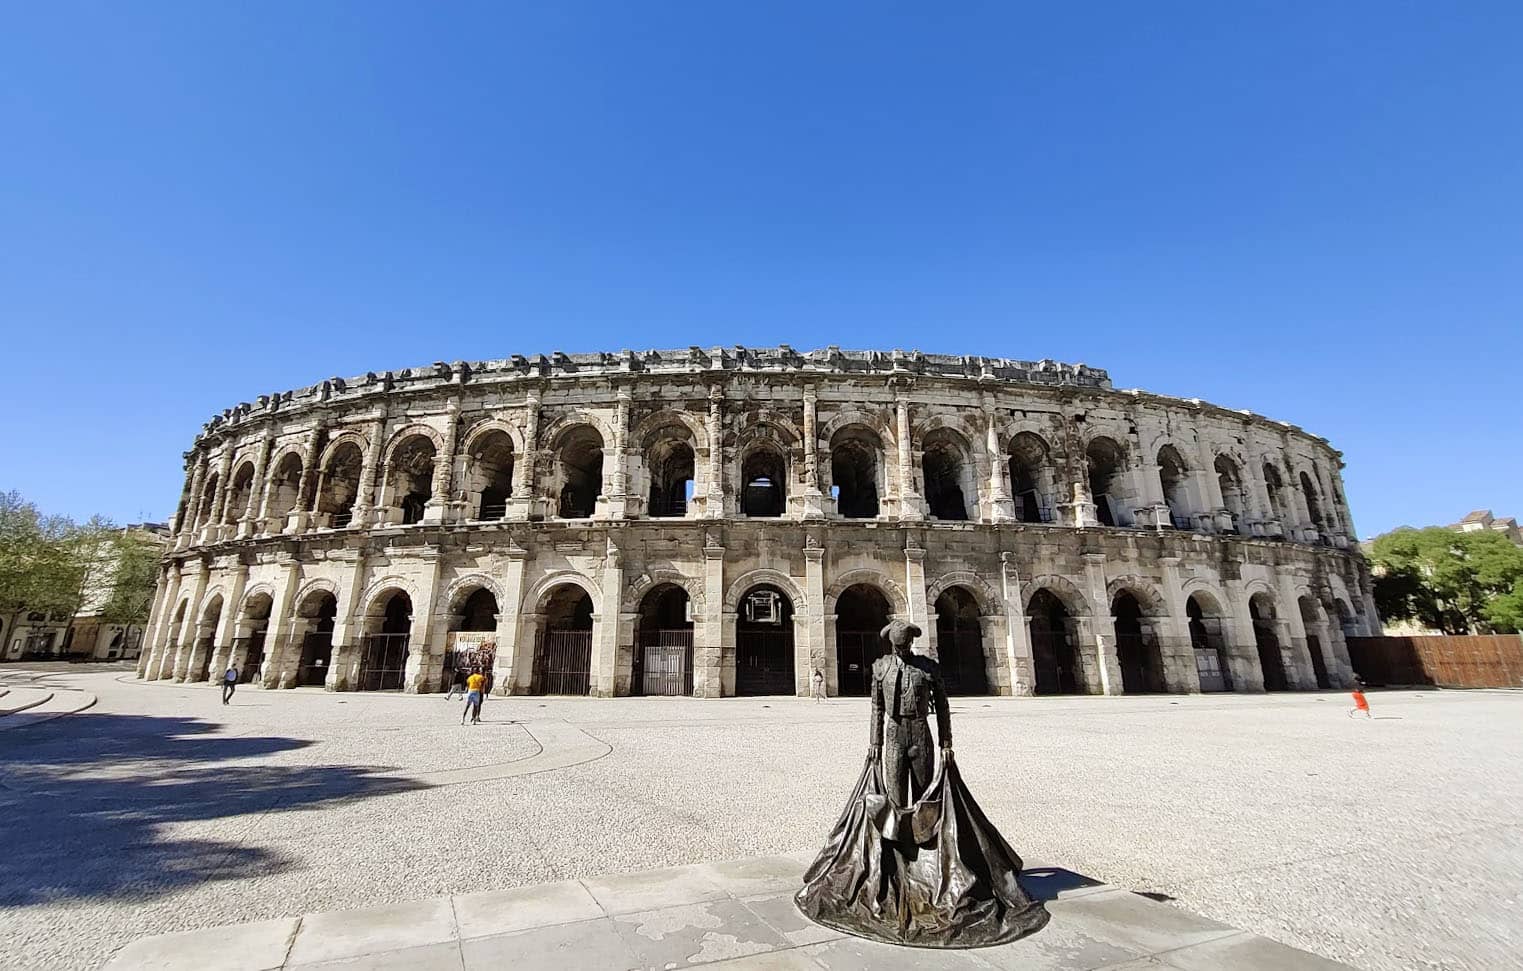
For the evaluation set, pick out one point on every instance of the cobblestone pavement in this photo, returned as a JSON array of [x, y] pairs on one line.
[[1386, 843]]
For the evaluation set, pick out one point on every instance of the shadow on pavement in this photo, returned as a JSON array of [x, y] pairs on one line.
[[85, 803]]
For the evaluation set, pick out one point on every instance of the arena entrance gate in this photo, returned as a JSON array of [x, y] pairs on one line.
[[663, 662], [960, 643], [861, 614], [383, 662], [563, 647], [1054, 660], [764, 643]]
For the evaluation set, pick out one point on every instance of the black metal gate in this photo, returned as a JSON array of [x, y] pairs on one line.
[[856, 650], [1056, 667], [316, 656], [248, 655], [666, 662], [563, 662], [961, 655], [383, 665], [764, 662]]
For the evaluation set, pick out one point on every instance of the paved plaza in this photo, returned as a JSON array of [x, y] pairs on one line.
[[1385, 843]]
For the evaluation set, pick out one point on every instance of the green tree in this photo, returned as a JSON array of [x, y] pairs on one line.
[[41, 563], [1452, 581], [136, 562]]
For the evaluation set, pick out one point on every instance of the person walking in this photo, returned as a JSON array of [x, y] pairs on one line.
[[229, 683], [491, 677], [1361, 704], [818, 686], [457, 684], [473, 688]]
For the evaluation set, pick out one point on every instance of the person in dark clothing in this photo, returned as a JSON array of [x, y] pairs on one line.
[[458, 684], [229, 683]]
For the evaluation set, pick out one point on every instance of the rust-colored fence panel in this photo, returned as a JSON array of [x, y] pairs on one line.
[[1469, 661]]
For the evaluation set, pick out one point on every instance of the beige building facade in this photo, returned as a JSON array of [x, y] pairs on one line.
[[729, 521]]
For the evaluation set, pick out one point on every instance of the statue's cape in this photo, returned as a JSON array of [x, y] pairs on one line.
[[933, 874]]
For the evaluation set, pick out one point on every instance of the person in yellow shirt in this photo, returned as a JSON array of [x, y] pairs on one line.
[[474, 686]]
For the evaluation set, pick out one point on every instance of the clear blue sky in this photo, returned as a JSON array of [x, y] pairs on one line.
[[1311, 210]]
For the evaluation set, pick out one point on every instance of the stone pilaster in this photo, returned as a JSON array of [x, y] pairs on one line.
[[813, 501], [439, 508], [813, 651], [1242, 650], [1001, 506], [187, 522], [1017, 637], [227, 623], [911, 505], [513, 665], [300, 516], [1180, 672], [279, 653], [152, 655], [212, 529], [605, 641], [713, 667], [425, 642], [348, 627], [187, 638], [614, 503], [522, 505], [370, 473], [714, 503], [248, 522], [1101, 636], [914, 584]]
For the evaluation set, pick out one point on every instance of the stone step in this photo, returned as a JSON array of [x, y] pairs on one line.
[[737, 914], [18, 700], [55, 705]]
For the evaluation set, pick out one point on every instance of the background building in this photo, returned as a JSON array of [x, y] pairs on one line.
[[725, 522]]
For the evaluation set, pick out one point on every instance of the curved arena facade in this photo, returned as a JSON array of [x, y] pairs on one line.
[[729, 521]]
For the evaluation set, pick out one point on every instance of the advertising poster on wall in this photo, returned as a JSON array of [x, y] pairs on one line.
[[466, 650]]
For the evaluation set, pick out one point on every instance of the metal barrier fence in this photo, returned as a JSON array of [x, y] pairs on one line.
[[563, 662], [383, 664], [666, 662], [764, 662]]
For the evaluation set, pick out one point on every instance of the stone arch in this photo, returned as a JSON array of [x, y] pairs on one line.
[[338, 441], [766, 421], [1258, 585], [636, 589], [759, 576], [485, 427], [952, 424], [1144, 590], [314, 585], [371, 602], [258, 589], [214, 593], [1067, 592], [872, 578], [401, 435], [648, 431], [990, 602], [888, 441], [950, 472], [540, 592], [562, 424], [1212, 596], [463, 586]]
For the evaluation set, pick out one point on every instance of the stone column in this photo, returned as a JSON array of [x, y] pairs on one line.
[[813, 651], [280, 654], [439, 507], [1151, 510], [227, 624], [713, 667], [1101, 628], [914, 585], [152, 655], [1001, 506], [614, 503], [187, 638], [1292, 633], [513, 666], [714, 505], [813, 501], [1270, 523], [348, 626], [213, 529], [307, 489], [1242, 650], [187, 521], [910, 503], [425, 642], [370, 472], [1174, 645], [248, 523], [1018, 655], [605, 638], [522, 505]]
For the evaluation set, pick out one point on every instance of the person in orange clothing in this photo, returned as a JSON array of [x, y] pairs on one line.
[[474, 685], [1360, 702]]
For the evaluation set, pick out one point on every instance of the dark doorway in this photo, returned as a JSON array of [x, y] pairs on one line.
[[383, 663], [317, 644], [764, 643], [1311, 622], [861, 614], [663, 662], [563, 648], [960, 643], [1268, 643], [1054, 660], [1206, 640], [764, 483], [1141, 666]]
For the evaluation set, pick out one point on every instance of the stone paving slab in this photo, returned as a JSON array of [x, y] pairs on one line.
[[735, 914]]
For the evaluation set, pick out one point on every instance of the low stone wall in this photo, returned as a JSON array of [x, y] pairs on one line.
[[1470, 661]]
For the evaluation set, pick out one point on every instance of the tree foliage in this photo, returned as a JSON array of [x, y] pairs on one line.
[[1458, 583], [42, 563], [132, 586]]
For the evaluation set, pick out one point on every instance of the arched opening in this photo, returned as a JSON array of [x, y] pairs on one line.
[[285, 489], [663, 663], [1311, 619], [341, 485], [172, 645], [1055, 661], [855, 460], [960, 643], [764, 482], [1204, 619], [320, 610], [1030, 478], [1175, 477], [248, 647], [948, 476], [208, 499], [1234, 499], [1136, 651], [383, 663], [1313, 501], [411, 476], [1274, 487], [472, 644], [670, 465], [563, 645], [238, 493], [206, 640], [1106, 462], [1261, 609], [489, 474], [861, 614], [578, 479], [764, 643]]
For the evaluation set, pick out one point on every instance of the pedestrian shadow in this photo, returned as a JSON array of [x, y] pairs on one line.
[[90, 805], [1049, 883]]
